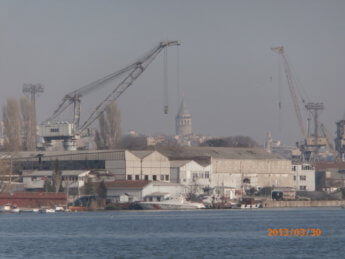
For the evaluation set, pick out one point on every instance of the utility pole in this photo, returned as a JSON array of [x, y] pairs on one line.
[[33, 90]]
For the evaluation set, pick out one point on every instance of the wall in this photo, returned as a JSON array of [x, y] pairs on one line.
[[260, 172], [156, 164], [135, 193], [302, 172], [280, 204], [193, 175]]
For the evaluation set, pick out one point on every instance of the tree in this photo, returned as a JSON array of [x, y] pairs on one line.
[[134, 142], [88, 187], [28, 124], [57, 177], [109, 133], [101, 190], [5, 169], [12, 125], [236, 141], [19, 125]]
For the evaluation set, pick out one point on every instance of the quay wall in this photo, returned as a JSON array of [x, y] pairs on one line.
[[286, 204]]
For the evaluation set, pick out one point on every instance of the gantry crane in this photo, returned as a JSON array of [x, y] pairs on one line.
[[127, 74], [312, 142]]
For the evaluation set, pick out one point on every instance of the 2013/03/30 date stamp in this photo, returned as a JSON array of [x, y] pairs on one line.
[[297, 232]]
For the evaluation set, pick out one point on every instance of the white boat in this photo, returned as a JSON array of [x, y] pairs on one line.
[[15, 210], [59, 209], [171, 204], [50, 210]]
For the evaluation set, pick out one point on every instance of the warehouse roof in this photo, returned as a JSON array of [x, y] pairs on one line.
[[142, 153], [218, 152]]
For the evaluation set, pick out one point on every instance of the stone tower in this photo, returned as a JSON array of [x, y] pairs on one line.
[[183, 121]]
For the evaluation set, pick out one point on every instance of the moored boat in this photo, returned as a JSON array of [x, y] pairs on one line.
[[171, 204]]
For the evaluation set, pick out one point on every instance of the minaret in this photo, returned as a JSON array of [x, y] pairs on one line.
[[183, 121]]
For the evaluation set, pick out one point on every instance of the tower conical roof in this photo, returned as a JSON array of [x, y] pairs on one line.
[[183, 109]]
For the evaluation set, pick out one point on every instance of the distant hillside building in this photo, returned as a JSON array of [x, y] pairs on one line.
[[183, 121]]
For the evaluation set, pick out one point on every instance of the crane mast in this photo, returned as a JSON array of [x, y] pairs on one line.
[[312, 140]]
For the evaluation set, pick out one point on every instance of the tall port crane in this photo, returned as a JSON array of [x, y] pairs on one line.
[[127, 74], [293, 93], [312, 141]]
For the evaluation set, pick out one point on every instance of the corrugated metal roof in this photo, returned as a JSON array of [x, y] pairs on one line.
[[218, 152], [50, 172], [179, 163], [141, 153]]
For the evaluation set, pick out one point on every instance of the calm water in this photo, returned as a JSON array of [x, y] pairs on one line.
[[172, 234]]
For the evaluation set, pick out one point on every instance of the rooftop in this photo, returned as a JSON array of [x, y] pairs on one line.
[[127, 184], [197, 153]]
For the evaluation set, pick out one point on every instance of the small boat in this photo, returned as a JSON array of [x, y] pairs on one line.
[[15, 210], [50, 211], [59, 209], [9, 208]]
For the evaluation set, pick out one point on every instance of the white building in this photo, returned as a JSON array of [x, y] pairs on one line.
[[304, 177], [191, 174], [34, 180], [147, 165], [239, 167], [140, 190]]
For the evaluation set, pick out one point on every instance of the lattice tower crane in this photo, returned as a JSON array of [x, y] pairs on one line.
[[130, 74]]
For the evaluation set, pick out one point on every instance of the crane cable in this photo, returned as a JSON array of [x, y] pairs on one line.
[[178, 76], [165, 83]]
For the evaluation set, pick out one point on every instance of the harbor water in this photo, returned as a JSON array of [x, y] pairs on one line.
[[173, 234]]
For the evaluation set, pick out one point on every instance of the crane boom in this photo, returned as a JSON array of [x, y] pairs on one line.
[[134, 70], [288, 74], [137, 69]]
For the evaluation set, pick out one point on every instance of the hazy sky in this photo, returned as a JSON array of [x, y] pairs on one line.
[[228, 74]]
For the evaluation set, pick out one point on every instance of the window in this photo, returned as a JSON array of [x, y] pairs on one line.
[[246, 180], [162, 177], [303, 177], [303, 188], [207, 174], [294, 177], [146, 177], [167, 177], [194, 176], [294, 168], [137, 177], [54, 130], [129, 177], [154, 177]]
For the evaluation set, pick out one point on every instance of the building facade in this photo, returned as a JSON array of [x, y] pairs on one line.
[[304, 177], [191, 174]]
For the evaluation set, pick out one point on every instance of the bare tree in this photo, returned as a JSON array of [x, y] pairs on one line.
[[109, 133], [12, 125], [28, 124], [5, 170]]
